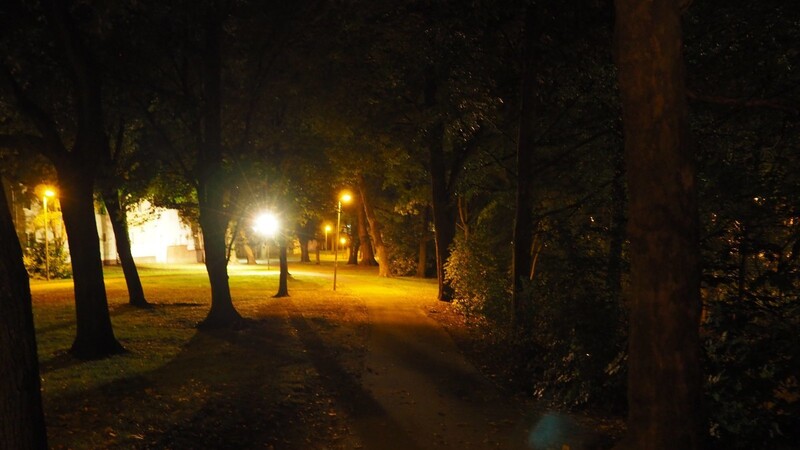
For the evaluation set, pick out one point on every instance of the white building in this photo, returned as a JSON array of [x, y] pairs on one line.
[[157, 236]]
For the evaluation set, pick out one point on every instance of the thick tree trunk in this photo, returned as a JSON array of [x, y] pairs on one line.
[[304, 254], [664, 377], [522, 259], [352, 255], [249, 254], [367, 255], [21, 416], [444, 221], [213, 222], [422, 255], [95, 337], [384, 268], [616, 230], [119, 223], [283, 279], [210, 192]]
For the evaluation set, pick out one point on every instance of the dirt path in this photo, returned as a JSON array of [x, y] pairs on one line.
[[397, 375]]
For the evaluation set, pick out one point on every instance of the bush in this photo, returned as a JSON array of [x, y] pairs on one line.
[[481, 288], [34, 259], [752, 367]]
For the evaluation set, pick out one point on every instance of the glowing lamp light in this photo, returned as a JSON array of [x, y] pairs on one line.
[[343, 241], [266, 224]]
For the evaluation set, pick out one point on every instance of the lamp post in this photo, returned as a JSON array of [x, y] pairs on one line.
[[267, 225], [327, 229], [47, 193], [345, 198]]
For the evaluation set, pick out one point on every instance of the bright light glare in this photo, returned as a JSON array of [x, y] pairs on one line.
[[327, 228], [346, 197], [49, 193], [266, 224], [343, 240]]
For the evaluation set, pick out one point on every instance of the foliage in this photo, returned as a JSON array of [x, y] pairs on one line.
[[477, 272], [578, 327], [34, 258]]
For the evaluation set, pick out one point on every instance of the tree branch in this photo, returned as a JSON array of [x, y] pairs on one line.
[[51, 145], [745, 102]]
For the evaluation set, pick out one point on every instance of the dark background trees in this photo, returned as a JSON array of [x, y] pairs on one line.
[[485, 143]]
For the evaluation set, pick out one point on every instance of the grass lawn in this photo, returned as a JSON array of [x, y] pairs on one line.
[[176, 387]]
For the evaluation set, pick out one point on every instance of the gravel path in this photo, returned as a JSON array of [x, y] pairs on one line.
[[396, 374]]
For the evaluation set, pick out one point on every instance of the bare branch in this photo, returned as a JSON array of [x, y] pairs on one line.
[[745, 102]]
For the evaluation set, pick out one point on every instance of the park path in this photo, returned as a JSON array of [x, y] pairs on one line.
[[409, 386]]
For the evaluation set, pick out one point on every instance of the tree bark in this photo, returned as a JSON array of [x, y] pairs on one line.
[[119, 223], [522, 244], [664, 378], [444, 221], [616, 230], [22, 425], [384, 268], [211, 184], [95, 337], [367, 255], [352, 255], [304, 254], [283, 284], [422, 255]]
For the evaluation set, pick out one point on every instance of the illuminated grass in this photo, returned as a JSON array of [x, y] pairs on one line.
[[180, 388]]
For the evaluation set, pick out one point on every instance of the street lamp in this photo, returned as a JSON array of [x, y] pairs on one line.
[[327, 229], [47, 193], [345, 197], [267, 225]]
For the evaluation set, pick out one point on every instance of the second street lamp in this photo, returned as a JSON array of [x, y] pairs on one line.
[[267, 225], [345, 197]]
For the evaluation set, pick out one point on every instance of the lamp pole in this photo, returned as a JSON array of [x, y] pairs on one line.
[[344, 197], [267, 225]]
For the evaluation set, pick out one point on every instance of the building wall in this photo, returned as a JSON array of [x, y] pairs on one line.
[[157, 236]]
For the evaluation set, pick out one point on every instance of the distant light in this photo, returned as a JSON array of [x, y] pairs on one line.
[[345, 197], [343, 240], [49, 193], [327, 228]]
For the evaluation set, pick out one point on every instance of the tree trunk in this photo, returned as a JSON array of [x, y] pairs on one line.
[[522, 243], [283, 285], [444, 222], [422, 256], [304, 255], [616, 230], [249, 254], [119, 223], [367, 255], [95, 337], [22, 425], [211, 184], [352, 255], [664, 377], [384, 269]]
